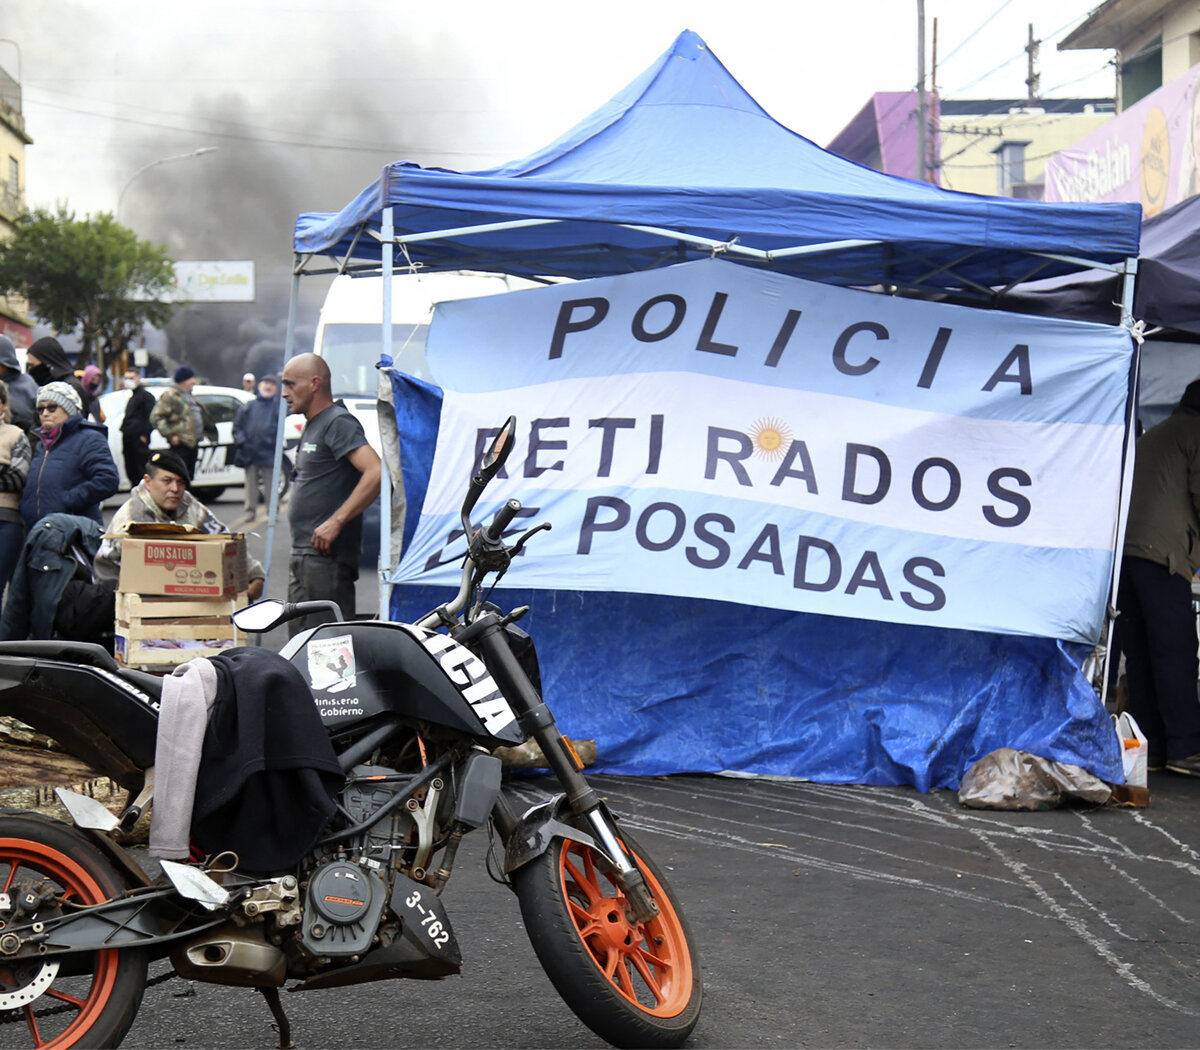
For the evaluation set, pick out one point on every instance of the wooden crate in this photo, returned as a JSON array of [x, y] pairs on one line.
[[144, 619]]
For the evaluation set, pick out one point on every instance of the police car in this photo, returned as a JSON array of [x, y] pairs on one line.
[[215, 471]]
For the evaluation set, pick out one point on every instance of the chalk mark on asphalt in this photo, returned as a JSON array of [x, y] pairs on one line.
[[664, 818], [1125, 970]]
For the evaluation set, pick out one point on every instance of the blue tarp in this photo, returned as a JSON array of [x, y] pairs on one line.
[[665, 685], [671, 684], [685, 147]]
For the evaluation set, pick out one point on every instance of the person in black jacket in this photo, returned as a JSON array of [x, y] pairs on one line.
[[136, 427], [22, 387], [47, 362]]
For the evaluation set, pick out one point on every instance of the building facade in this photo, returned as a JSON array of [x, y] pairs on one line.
[[14, 314], [1150, 152], [996, 147]]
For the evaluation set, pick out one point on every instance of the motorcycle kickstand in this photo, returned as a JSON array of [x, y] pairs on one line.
[[285, 1030]]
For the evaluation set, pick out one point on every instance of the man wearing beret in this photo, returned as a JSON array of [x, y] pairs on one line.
[[180, 419], [161, 496]]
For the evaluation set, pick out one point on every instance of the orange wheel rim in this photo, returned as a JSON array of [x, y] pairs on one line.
[[649, 964], [78, 886]]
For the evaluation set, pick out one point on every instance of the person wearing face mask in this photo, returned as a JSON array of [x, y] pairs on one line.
[[136, 427], [22, 388], [72, 471], [46, 361]]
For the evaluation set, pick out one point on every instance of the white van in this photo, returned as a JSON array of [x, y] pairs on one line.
[[349, 338]]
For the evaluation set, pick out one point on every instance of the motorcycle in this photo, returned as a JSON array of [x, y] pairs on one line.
[[81, 917]]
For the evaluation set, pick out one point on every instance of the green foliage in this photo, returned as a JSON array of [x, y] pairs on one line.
[[92, 275]]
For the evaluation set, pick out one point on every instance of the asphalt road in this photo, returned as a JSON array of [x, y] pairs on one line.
[[826, 916]]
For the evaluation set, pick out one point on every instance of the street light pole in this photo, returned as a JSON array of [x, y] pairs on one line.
[[154, 164]]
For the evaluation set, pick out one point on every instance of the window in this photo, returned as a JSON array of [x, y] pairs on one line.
[[1010, 166], [221, 408], [1142, 73]]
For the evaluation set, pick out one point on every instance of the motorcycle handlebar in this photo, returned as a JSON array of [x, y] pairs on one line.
[[495, 531]]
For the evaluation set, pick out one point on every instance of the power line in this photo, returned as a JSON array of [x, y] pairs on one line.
[[983, 25], [1009, 61], [259, 137]]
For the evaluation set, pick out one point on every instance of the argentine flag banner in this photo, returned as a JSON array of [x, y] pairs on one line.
[[715, 431]]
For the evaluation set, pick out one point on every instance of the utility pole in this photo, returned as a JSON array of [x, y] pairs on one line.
[[935, 161], [921, 102], [1032, 80]]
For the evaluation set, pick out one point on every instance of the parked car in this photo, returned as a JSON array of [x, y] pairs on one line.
[[215, 471]]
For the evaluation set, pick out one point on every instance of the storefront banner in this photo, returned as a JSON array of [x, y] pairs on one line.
[[1150, 153], [716, 431]]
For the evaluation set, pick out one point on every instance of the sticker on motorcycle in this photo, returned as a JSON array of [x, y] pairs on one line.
[[331, 665], [470, 674]]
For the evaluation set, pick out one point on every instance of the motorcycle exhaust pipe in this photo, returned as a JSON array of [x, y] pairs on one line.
[[228, 955]]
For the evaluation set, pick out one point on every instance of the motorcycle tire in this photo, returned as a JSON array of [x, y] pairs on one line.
[[633, 985], [88, 1000]]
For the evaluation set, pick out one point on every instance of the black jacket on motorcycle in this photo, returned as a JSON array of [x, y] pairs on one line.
[[46, 566], [268, 772]]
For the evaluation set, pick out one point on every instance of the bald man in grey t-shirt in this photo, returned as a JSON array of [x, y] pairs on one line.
[[337, 478]]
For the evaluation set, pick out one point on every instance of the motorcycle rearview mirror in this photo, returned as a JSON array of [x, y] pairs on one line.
[[498, 450], [493, 459], [261, 616]]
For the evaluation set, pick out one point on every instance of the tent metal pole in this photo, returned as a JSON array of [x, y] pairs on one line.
[[385, 477], [1090, 264], [289, 346], [463, 231], [818, 249], [1131, 422]]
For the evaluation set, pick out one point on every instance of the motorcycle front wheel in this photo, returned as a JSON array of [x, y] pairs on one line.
[[89, 1000], [634, 985]]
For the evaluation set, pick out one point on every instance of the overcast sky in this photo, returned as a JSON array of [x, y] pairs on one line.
[[462, 84], [306, 101]]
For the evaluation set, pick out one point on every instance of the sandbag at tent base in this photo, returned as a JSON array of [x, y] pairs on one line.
[[676, 685]]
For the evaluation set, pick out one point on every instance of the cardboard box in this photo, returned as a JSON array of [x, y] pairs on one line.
[[171, 560], [156, 633]]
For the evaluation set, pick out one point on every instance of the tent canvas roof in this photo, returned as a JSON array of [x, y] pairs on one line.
[[1168, 280], [683, 162]]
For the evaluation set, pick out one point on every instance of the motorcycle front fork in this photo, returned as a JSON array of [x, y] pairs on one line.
[[537, 722]]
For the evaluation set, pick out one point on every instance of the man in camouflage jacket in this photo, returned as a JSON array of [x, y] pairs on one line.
[[180, 419]]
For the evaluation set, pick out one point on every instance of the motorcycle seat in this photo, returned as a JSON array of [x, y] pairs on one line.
[[88, 653], [56, 649]]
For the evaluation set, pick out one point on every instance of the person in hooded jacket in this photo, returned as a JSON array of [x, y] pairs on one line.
[[73, 470], [47, 362], [93, 382], [255, 428], [22, 388]]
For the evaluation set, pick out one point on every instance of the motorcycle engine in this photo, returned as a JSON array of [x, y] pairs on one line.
[[344, 898], [342, 908], [363, 797]]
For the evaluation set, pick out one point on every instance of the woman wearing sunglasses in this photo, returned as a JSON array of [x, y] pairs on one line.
[[73, 470]]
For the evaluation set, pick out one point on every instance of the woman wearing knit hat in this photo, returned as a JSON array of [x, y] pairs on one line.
[[73, 470]]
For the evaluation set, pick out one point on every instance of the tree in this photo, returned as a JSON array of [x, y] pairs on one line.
[[92, 275]]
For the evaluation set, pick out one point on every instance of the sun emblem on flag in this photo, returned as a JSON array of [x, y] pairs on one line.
[[771, 438]]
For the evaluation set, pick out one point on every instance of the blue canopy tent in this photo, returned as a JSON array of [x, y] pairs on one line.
[[684, 164]]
